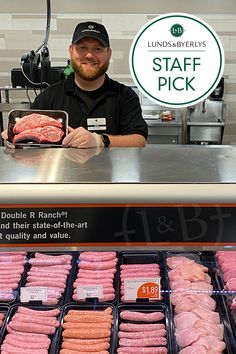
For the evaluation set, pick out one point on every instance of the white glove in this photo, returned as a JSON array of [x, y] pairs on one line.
[[82, 138]]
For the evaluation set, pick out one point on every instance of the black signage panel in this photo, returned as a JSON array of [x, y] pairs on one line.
[[118, 225]]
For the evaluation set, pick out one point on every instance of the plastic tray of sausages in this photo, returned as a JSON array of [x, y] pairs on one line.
[[4, 310], [198, 316], [89, 326], [50, 270], [12, 268], [142, 265], [95, 278], [144, 328], [29, 328]]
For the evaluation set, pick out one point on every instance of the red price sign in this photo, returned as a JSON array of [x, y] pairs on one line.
[[149, 290]]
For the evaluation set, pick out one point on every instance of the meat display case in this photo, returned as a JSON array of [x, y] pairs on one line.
[[161, 198]]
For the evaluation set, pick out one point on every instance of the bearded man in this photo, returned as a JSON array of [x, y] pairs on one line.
[[101, 111]]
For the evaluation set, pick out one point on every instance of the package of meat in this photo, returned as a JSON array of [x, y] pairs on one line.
[[86, 328], [4, 313], [37, 128], [141, 266], [29, 329], [49, 270], [144, 328], [199, 317], [96, 278], [12, 268]]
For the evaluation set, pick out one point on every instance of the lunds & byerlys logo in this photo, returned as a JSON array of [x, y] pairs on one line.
[[176, 60]]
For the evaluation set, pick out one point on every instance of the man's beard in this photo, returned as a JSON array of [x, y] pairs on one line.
[[89, 74]]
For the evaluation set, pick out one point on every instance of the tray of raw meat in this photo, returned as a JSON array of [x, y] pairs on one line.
[[12, 268], [37, 128], [29, 329], [95, 277], [137, 266], [201, 324], [144, 328], [51, 271], [226, 281], [85, 328]]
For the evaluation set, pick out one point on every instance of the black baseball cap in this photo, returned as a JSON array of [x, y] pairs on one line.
[[91, 29]]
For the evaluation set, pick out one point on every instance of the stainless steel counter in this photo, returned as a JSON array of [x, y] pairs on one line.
[[156, 173]]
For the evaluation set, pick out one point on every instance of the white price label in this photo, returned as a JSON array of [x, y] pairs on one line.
[[149, 288], [33, 294], [89, 291]]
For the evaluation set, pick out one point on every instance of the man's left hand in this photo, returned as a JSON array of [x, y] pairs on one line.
[[82, 138]]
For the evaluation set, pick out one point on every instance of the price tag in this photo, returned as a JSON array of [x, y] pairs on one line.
[[33, 294], [149, 288], [89, 291]]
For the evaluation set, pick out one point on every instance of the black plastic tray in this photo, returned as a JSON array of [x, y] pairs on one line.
[[13, 309], [160, 306], [145, 257], [5, 310], [56, 344], [209, 261], [18, 114], [69, 282], [16, 292], [69, 295]]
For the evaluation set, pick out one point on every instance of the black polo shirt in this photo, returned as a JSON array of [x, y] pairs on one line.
[[115, 102]]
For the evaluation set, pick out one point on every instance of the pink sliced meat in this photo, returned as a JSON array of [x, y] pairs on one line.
[[35, 120], [176, 261], [212, 343], [231, 284], [194, 349], [47, 134]]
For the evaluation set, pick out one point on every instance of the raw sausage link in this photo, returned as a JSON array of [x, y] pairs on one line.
[[86, 333], [68, 351], [31, 327], [88, 318], [139, 335], [54, 312], [147, 342], [45, 261], [48, 321], [142, 316], [142, 350], [130, 327], [86, 341], [107, 311], [11, 349], [89, 348], [97, 256], [30, 337], [25, 344], [97, 265], [80, 325]]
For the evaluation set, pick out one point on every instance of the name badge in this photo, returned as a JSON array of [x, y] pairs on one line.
[[96, 124]]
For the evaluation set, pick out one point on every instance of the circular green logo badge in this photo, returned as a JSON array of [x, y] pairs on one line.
[[176, 60], [177, 30]]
